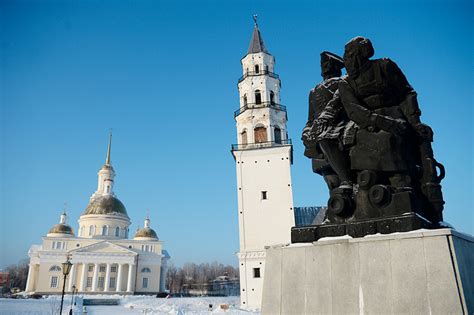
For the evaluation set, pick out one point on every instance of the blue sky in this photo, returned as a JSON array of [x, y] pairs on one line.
[[163, 75]]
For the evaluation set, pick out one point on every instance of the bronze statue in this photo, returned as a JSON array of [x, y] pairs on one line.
[[382, 153], [326, 122]]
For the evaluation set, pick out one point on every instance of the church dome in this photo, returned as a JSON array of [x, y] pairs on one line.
[[61, 229], [146, 232], [106, 204]]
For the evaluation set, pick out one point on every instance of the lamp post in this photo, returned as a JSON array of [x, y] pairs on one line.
[[74, 289], [66, 268]]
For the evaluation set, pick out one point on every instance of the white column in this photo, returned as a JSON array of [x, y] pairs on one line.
[[94, 278], [29, 281], [82, 288], [107, 278], [118, 286], [130, 277], [72, 276]]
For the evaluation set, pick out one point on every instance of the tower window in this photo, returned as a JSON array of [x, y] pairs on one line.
[[91, 230], [257, 69], [256, 272], [117, 231], [260, 134], [264, 195], [105, 230], [272, 98], [277, 135], [243, 137], [245, 99], [258, 97]]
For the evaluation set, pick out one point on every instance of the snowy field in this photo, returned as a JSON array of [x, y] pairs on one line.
[[128, 305]]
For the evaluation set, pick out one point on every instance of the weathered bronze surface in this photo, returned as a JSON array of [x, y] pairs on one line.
[[365, 137]]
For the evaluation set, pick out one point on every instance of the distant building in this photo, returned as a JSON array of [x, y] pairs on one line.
[[104, 259], [309, 215], [221, 286], [225, 286], [263, 156]]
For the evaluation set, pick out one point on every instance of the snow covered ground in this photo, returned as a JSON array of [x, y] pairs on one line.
[[128, 305]]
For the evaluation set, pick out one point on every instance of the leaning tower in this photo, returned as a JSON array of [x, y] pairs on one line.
[[263, 156]]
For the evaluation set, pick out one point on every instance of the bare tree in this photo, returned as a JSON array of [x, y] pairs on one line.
[[18, 274]]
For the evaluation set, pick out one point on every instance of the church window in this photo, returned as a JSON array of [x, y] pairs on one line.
[[108, 189], [266, 69], [277, 134], [82, 230], [117, 231], [90, 268], [258, 97], [105, 230], [245, 99], [260, 134], [54, 282], [257, 69], [102, 269], [146, 269], [272, 98], [55, 268], [91, 230], [145, 283], [113, 269], [264, 195], [89, 282], [256, 272], [100, 284], [243, 137], [112, 283]]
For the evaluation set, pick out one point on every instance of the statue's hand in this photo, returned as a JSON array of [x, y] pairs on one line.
[[307, 137], [392, 125], [424, 131], [320, 125]]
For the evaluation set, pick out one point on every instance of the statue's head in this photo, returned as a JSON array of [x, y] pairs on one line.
[[356, 53], [331, 65]]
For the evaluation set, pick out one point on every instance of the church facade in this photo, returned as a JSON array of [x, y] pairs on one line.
[[263, 157], [104, 259]]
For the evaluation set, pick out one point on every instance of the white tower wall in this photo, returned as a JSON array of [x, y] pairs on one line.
[[263, 158]]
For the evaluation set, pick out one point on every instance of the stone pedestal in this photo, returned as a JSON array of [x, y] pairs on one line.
[[418, 272]]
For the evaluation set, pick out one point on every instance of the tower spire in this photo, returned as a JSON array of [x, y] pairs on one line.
[[256, 43], [107, 159]]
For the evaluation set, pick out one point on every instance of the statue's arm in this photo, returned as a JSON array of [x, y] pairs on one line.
[[366, 118], [409, 104]]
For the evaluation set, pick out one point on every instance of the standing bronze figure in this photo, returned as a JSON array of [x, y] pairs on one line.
[[382, 155]]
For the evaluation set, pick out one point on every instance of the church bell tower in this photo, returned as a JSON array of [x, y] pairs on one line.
[[263, 156]]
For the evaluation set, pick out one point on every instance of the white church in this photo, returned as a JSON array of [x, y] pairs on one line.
[[263, 157], [104, 259]]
